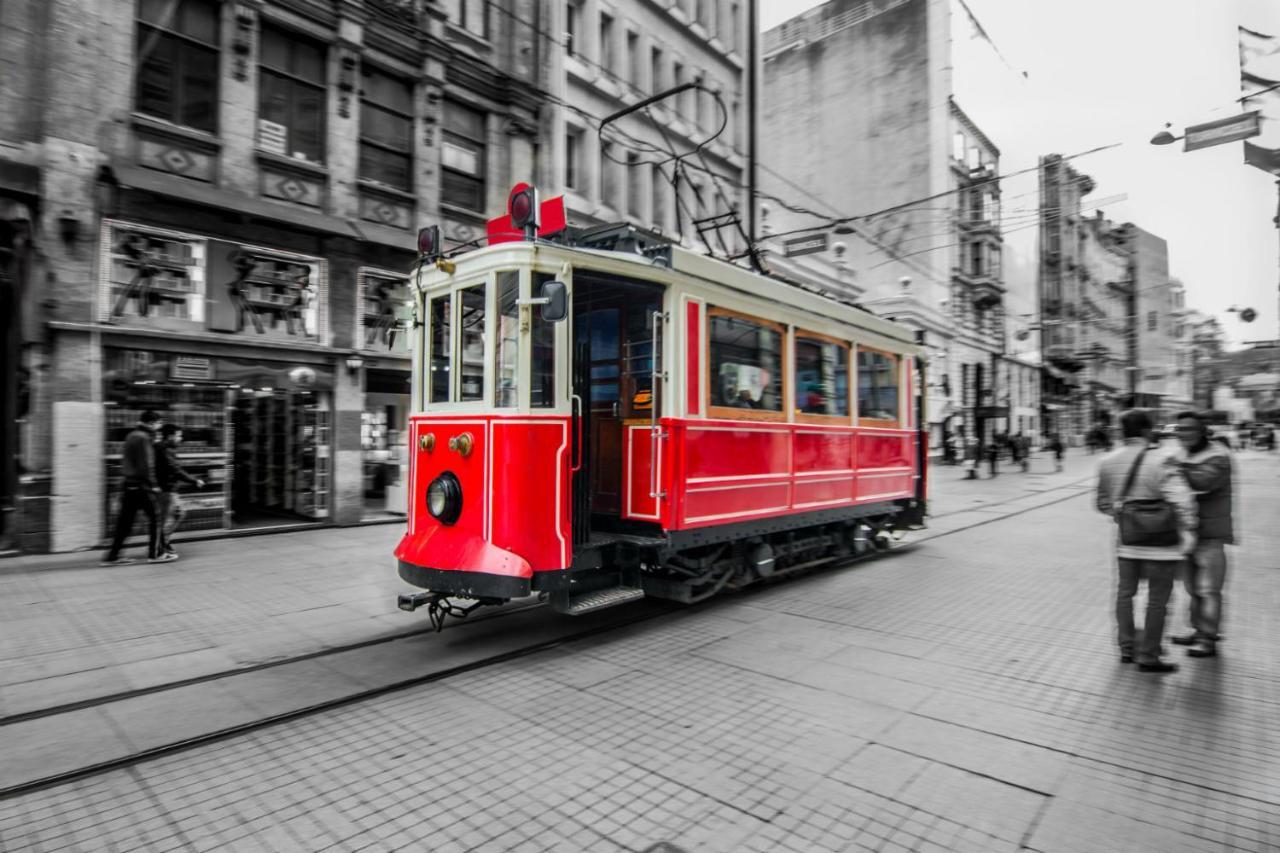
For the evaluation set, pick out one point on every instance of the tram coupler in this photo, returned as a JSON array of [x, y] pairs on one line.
[[411, 601]]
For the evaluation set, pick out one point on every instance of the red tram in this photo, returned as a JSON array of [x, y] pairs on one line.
[[603, 416]]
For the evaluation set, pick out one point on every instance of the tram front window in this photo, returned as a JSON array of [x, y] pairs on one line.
[[471, 311], [438, 363]]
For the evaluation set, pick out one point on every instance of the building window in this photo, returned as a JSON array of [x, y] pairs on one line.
[[821, 376], [877, 387], [745, 364], [573, 177], [606, 43], [735, 15], [1152, 321], [291, 94], [178, 62], [635, 186], [658, 196], [633, 58], [699, 104], [655, 70], [609, 189], [573, 27], [677, 79], [470, 15], [462, 157], [386, 129]]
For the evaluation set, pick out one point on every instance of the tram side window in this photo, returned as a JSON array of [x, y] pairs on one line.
[[438, 381], [471, 310], [542, 375], [745, 363], [506, 385], [821, 376], [877, 386]]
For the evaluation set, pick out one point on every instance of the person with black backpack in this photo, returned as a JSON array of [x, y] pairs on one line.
[[1155, 512]]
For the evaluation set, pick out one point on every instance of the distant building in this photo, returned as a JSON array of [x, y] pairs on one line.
[[858, 119], [212, 209], [616, 54]]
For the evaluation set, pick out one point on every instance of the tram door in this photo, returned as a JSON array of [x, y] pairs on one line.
[[611, 371]]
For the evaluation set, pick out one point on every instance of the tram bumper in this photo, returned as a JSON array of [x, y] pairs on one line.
[[454, 562]]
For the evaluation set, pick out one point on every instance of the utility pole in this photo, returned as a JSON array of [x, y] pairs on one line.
[[753, 46]]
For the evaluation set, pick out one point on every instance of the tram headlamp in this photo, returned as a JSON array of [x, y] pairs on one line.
[[444, 498]]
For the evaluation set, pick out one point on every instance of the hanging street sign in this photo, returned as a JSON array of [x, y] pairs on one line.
[[1266, 159], [805, 245], [1221, 131]]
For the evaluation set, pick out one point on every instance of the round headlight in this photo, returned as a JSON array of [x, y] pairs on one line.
[[444, 498]]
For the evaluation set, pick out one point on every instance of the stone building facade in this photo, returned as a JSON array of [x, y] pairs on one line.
[[222, 205]]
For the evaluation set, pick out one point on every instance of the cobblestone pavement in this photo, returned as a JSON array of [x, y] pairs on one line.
[[961, 695], [72, 630]]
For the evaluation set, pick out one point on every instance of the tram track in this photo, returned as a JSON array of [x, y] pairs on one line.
[[520, 620]]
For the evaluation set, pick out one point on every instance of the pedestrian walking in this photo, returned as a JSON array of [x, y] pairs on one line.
[[138, 466], [168, 473], [1022, 451], [971, 452], [1057, 449], [1143, 490], [993, 456], [1207, 468]]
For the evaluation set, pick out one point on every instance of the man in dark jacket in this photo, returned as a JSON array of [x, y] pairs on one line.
[[138, 466], [1207, 467], [168, 473]]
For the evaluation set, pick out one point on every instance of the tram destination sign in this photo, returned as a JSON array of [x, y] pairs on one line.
[[1221, 131]]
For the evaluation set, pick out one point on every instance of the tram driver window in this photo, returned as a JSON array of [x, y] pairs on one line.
[[471, 305], [745, 363], [877, 387], [438, 380], [542, 374], [821, 376], [506, 378]]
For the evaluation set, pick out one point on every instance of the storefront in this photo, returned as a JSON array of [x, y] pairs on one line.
[[258, 433], [382, 330]]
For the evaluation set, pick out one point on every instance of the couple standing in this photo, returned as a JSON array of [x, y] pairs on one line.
[[151, 473], [1195, 482]]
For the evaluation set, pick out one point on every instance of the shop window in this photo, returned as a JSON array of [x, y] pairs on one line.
[[471, 311], [291, 96], [177, 59], [441, 323], [821, 376], [386, 312], [542, 375], [470, 15], [154, 276], [462, 157], [386, 129], [745, 364], [877, 388], [506, 382]]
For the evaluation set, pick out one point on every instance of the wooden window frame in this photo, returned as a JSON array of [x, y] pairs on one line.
[[882, 423], [728, 412], [851, 365]]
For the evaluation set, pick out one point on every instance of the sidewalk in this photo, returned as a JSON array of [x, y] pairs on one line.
[[963, 696], [73, 630]]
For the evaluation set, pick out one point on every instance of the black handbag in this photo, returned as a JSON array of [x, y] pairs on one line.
[[1145, 522]]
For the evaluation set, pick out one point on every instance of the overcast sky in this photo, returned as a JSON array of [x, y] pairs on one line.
[[1114, 71]]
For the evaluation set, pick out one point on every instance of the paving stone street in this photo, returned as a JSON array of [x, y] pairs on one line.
[[961, 694]]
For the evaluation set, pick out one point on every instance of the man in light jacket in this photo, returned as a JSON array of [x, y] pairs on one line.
[[1207, 467], [1157, 478]]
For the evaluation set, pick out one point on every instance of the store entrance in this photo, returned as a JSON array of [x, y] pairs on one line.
[[282, 467]]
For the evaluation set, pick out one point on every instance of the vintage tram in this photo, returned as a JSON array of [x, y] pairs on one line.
[[602, 416]]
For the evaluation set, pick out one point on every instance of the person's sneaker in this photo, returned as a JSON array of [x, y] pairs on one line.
[[1126, 657], [164, 558], [119, 561], [1203, 649], [1158, 666], [171, 551], [1185, 639]]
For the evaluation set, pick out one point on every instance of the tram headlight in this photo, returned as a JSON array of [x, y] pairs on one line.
[[444, 498]]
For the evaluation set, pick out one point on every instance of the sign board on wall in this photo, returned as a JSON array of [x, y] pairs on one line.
[[191, 367], [805, 245], [1221, 131], [273, 137]]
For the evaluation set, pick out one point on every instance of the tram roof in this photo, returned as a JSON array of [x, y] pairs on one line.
[[671, 264]]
